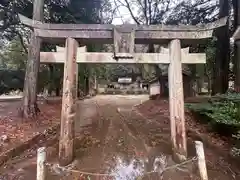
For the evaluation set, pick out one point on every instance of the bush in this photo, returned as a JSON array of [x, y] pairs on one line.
[[222, 112]]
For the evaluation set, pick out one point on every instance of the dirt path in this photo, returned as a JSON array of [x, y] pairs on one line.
[[115, 141], [121, 144]]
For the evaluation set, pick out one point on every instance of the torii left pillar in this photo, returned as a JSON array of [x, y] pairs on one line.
[[69, 98]]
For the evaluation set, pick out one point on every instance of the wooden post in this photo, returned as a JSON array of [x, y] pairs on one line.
[[66, 143], [176, 101], [30, 107], [201, 160], [41, 160]]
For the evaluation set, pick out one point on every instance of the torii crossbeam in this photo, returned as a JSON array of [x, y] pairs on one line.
[[103, 33]]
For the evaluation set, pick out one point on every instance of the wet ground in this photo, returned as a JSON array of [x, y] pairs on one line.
[[115, 141]]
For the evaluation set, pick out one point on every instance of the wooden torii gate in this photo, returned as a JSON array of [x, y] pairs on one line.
[[124, 37]]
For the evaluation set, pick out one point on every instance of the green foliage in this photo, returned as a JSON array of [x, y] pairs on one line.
[[221, 109], [13, 56], [223, 114], [11, 80]]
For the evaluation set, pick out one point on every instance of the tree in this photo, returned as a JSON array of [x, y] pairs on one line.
[[222, 61], [13, 56], [236, 23], [73, 11]]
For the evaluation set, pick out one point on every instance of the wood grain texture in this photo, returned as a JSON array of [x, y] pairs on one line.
[[176, 101], [123, 28], [105, 33], [201, 160], [69, 97]]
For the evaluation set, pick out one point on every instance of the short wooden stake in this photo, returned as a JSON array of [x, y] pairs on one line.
[[201, 160], [176, 101], [41, 160], [66, 142]]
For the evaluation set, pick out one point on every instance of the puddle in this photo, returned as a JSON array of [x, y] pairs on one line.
[[131, 171], [137, 168]]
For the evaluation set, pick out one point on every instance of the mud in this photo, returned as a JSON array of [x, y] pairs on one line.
[[114, 141]]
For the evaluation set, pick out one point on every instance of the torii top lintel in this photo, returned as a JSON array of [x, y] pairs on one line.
[[103, 33]]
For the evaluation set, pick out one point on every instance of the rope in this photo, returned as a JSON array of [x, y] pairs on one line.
[[174, 166], [78, 171], [108, 175]]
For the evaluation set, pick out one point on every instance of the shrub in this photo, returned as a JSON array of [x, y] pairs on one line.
[[221, 109], [223, 114]]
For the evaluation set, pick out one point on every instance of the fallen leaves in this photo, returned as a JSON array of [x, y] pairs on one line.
[[18, 130], [158, 111]]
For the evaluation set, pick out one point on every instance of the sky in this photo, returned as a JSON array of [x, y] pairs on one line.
[[123, 15]]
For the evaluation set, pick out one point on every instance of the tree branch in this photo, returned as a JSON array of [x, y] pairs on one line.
[[127, 5], [22, 42], [145, 11]]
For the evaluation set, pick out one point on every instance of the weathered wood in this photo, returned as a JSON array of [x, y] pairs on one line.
[[176, 102], [104, 33], [124, 43], [79, 51], [143, 58], [41, 166], [125, 28], [66, 142], [29, 107], [201, 160], [132, 42], [106, 37], [116, 41]]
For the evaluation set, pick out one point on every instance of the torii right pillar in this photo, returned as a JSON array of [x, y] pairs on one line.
[[176, 102]]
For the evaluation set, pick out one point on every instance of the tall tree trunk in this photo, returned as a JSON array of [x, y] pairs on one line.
[[30, 108], [221, 67], [236, 11]]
